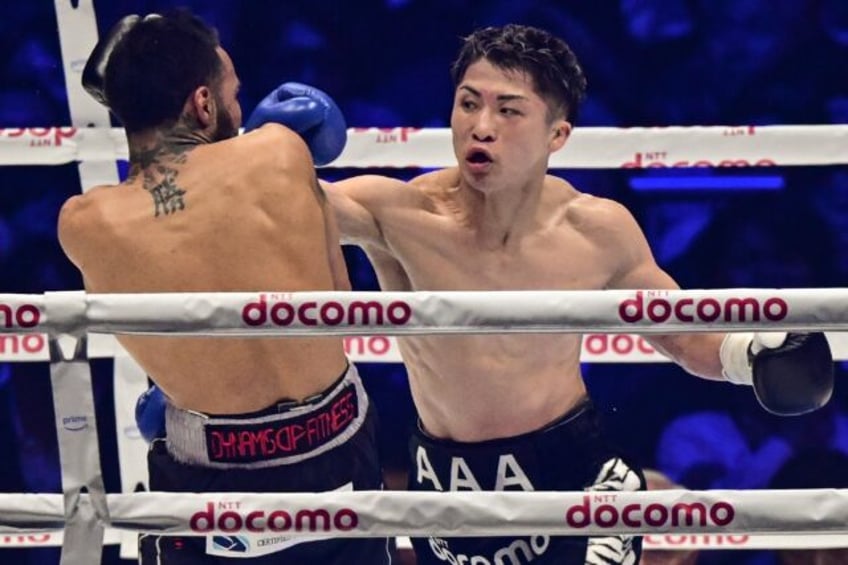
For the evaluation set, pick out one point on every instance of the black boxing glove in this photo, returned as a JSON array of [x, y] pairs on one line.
[[94, 73], [792, 373]]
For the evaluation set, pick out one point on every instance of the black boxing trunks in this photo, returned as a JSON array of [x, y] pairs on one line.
[[571, 454], [325, 443]]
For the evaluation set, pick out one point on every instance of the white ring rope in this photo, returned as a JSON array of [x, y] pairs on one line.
[[457, 514], [377, 513], [417, 313], [589, 147]]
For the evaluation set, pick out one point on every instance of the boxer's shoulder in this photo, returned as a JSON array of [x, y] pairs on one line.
[[87, 222], [266, 155], [267, 141], [81, 210], [596, 215]]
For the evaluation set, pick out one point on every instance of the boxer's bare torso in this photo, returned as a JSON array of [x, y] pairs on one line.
[[497, 221], [431, 234], [243, 214]]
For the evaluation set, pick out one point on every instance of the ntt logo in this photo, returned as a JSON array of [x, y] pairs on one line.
[[654, 514], [304, 520], [329, 313], [708, 309]]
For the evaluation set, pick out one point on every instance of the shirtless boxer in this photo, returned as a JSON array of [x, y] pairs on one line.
[[204, 210], [512, 411]]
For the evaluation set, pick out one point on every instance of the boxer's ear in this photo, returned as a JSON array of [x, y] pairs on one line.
[[202, 105], [560, 132]]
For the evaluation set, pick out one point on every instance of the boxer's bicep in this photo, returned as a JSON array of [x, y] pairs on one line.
[[643, 273], [697, 353], [634, 267], [390, 272], [629, 256], [358, 204]]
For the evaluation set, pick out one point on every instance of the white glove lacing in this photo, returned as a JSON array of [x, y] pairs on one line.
[[738, 350]]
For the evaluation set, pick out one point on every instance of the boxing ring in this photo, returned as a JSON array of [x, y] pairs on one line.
[[68, 329], [85, 510]]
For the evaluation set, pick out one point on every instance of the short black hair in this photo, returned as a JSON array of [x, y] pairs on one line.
[[155, 67], [547, 60]]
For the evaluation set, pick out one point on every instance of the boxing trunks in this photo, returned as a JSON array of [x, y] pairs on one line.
[[326, 443], [571, 454]]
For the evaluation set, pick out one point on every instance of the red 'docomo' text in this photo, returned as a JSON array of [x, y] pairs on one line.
[[15, 344], [658, 309], [636, 515], [304, 520], [21, 539], [698, 540], [329, 313], [24, 316], [359, 345], [38, 137], [622, 344]]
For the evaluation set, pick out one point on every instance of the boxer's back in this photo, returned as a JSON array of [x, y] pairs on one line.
[[237, 215]]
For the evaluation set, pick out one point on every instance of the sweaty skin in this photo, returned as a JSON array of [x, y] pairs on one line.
[[501, 223], [242, 214]]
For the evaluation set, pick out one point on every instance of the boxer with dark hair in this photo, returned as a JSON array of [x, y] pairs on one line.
[[205, 210], [512, 411]]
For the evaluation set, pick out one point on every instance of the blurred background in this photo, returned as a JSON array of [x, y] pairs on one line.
[[648, 62]]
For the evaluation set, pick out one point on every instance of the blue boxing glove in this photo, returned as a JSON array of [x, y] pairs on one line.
[[309, 112], [150, 414], [792, 373]]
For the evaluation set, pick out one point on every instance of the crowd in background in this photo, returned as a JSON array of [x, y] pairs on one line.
[[649, 63]]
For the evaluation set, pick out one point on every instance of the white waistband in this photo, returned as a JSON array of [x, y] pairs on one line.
[[188, 440]]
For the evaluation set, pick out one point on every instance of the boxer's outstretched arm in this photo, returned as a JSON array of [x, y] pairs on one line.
[[359, 204], [631, 265], [698, 353], [791, 373]]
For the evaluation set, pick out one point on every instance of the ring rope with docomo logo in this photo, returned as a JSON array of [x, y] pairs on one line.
[[367, 513], [818, 512], [588, 147], [417, 313]]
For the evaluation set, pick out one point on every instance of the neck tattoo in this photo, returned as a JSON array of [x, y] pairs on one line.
[[158, 163]]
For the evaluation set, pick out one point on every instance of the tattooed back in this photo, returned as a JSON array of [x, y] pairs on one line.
[[244, 214]]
